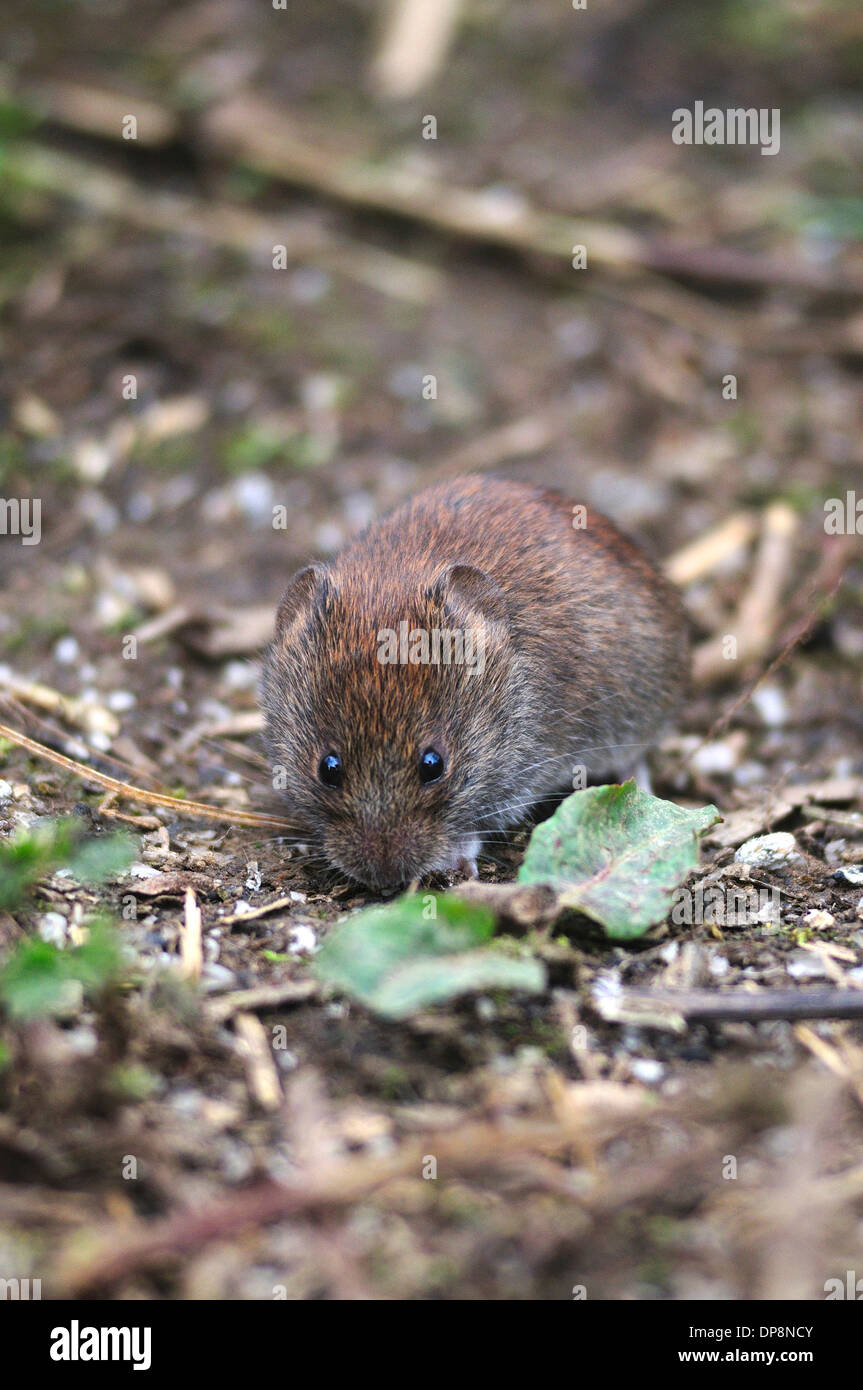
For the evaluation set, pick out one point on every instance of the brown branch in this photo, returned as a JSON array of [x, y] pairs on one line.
[[98, 1261], [259, 133]]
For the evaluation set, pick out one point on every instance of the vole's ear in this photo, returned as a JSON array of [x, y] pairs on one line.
[[470, 591], [307, 588]]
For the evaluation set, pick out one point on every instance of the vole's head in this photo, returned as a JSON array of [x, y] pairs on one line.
[[390, 717]]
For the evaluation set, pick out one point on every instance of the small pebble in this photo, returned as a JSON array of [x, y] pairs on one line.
[[750, 774], [215, 979], [770, 851], [253, 494], [302, 940], [806, 967], [67, 651], [52, 928], [850, 875], [716, 758], [771, 705], [121, 700], [647, 1069], [240, 675], [818, 920], [139, 870], [81, 1041]]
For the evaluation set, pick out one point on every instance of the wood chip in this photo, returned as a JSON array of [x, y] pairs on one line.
[[191, 957], [257, 1054]]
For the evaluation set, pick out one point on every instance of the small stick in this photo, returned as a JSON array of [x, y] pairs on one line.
[[701, 1006], [755, 621], [261, 1074], [825, 584], [703, 555], [414, 44], [173, 803], [262, 997], [191, 955]]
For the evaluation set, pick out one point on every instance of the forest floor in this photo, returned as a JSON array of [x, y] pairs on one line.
[[153, 1144]]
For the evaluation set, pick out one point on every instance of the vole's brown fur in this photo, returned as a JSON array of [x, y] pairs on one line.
[[585, 660]]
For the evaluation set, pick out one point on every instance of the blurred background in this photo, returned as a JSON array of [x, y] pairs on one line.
[[408, 257], [311, 258]]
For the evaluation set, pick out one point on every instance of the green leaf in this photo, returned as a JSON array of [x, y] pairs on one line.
[[36, 979], [432, 979], [616, 854], [419, 951], [103, 858], [29, 855], [50, 845]]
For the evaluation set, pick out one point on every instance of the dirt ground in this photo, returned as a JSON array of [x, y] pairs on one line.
[[581, 1146]]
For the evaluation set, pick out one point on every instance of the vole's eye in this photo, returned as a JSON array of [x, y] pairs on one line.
[[431, 765], [330, 770]]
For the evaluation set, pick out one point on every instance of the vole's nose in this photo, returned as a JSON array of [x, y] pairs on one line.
[[386, 880], [383, 859]]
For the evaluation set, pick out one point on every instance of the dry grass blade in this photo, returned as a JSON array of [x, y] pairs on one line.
[[148, 798]]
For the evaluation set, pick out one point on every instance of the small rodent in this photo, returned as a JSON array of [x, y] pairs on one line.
[[400, 744]]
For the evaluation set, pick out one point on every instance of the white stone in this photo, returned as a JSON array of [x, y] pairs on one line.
[[67, 650], [302, 940], [647, 1069], [817, 920], [771, 705], [52, 928], [121, 700], [770, 851]]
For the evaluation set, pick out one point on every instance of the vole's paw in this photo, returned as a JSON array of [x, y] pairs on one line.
[[466, 868]]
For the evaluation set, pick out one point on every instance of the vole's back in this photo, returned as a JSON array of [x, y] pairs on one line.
[[399, 762], [602, 631]]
